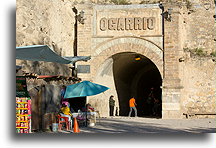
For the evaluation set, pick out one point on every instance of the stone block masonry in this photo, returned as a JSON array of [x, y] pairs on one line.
[[108, 30]]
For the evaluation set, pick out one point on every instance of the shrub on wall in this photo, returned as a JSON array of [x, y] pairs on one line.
[[120, 2], [196, 51], [152, 2], [189, 4], [199, 52], [213, 54]]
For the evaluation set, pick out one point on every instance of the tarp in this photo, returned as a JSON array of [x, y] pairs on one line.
[[18, 67], [44, 53]]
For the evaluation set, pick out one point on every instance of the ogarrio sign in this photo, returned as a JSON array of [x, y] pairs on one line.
[[136, 23]]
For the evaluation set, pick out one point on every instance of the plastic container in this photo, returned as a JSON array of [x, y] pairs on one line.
[[92, 124], [55, 127]]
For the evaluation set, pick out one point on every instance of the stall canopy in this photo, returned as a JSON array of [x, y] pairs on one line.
[[83, 89], [44, 53]]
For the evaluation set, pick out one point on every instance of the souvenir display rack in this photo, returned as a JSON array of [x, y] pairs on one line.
[[23, 115]]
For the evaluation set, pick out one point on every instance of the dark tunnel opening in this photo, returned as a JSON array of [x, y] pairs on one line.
[[136, 75]]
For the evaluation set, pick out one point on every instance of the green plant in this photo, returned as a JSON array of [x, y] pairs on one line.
[[213, 54], [196, 51], [199, 52], [120, 2], [186, 49], [150, 2], [188, 4], [144, 2]]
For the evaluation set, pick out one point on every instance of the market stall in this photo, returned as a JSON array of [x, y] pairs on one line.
[[23, 106], [84, 89]]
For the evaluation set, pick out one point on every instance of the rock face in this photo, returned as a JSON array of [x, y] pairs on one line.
[[186, 64], [49, 23]]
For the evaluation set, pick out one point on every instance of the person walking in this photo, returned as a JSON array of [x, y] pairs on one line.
[[132, 104], [111, 105]]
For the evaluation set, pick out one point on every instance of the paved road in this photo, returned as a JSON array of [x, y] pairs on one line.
[[150, 125]]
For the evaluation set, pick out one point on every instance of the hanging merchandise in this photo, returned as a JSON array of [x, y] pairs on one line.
[[23, 115], [23, 106]]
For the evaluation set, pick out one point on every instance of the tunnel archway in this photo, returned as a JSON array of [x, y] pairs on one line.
[[135, 75], [104, 62]]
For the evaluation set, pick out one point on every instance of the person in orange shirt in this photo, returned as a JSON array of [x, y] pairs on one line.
[[132, 104]]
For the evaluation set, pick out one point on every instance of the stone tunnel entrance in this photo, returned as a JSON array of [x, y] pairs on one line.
[[135, 75]]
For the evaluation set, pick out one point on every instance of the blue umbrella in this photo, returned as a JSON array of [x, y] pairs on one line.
[[84, 88]]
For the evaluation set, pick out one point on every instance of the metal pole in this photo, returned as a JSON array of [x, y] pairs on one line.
[[86, 116], [75, 41], [162, 15]]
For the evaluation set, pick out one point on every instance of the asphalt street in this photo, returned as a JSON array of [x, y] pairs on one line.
[[151, 125]]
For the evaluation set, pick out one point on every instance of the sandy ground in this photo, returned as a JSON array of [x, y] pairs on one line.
[[150, 125]]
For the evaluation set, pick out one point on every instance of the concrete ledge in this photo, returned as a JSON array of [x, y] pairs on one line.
[[133, 6]]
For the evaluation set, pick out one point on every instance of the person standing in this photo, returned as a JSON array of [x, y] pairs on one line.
[[64, 100], [62, 93], [132, 104], [150, 102], [111, 104], [63, 89]]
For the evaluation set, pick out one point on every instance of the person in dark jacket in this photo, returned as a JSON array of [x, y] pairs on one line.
[[111, 104]]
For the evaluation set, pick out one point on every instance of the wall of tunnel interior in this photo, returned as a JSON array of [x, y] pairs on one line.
[[135, 75]]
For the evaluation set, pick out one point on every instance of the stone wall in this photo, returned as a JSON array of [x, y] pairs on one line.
[[189, 85], [199, 85], [198, 68], [171, 94], [199, 25]]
